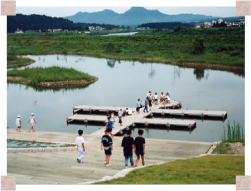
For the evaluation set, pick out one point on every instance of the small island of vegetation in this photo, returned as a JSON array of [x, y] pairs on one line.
[[15, 62], [50, 77]]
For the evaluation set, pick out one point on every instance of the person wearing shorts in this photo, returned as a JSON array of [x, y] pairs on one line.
[[107, 145]]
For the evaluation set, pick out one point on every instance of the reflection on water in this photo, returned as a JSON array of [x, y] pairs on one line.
[[111, 63], [122, 85], [200, 73]]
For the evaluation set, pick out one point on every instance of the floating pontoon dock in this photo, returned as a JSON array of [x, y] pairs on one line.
[[107, 109], [101, 119], [204, 114], [86, 114]]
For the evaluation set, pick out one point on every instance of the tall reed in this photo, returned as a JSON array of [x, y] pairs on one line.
[[233, 133]]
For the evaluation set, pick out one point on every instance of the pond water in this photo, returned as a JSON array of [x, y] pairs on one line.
[[121, 34], [121, 83]]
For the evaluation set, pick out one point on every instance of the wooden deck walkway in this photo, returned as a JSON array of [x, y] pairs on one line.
[[107, 109], [171, 115], [190, 113]]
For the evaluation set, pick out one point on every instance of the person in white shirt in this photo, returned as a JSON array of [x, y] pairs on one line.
[[80, 146], [18, 123], [128, 111], [32, 122]]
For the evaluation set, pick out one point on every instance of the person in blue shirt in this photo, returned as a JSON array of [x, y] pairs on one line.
[[109, 124], [138, 106]]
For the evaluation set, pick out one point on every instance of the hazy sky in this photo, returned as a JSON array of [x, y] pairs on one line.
[[68, 11]]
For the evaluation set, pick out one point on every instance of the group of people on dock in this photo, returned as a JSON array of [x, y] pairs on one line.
[[152, 99], [31, 121], [129, 144]]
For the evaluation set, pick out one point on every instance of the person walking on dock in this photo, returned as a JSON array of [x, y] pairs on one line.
[[150, 101], [113, 117], [120, 115], [146, 105], [140, 147], [32, 122], [107, 145], [109, 125], [80, 142], [128, 144], [18, 123], [138, 106]]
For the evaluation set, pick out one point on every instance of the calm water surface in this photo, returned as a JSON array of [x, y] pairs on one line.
[[121, 84]]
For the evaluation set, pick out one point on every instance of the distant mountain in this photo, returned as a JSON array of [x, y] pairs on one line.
[[134, 16]]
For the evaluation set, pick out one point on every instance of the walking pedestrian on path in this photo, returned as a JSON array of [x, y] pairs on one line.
[[80, 142], [140, 147], [18, 123], [107, 145], [128, 144], [120, 115], [32, 122]]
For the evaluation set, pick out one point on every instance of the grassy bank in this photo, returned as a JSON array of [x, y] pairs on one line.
[[14, 62], [50, 77], [232, 141], [212, 169], [223, 46]]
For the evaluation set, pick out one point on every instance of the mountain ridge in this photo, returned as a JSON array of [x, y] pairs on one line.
[[134, 16]]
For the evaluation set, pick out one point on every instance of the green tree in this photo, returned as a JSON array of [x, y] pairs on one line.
[[198, 46]]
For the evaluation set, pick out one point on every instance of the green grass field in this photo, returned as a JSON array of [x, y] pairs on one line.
[[224, 46], [211, 169]]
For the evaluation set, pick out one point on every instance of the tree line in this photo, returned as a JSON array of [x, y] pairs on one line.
[[43, 23]]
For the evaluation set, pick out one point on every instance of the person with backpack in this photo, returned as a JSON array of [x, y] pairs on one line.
[[107, 145]]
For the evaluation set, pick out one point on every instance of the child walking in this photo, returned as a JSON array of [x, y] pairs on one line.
[[140, 147], [128, 144], [107, 145], [80, 142], [18, 123], [32, 122]]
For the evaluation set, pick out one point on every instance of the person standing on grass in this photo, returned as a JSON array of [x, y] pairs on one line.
[[128, 144], [80, 142], [120, 115], [107, 145], [32, 122], [140, 147], [18, 123]]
